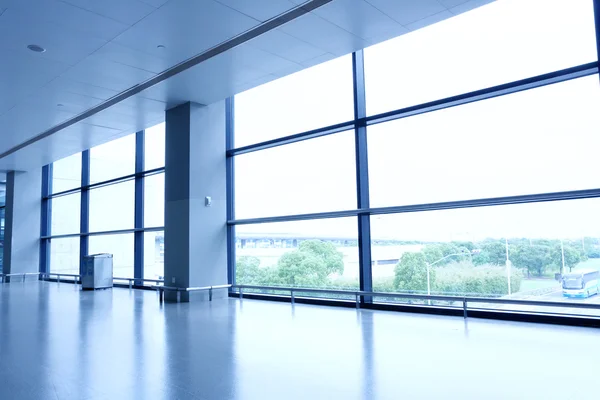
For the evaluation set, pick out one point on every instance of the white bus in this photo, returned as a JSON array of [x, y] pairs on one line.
[[583, 283]]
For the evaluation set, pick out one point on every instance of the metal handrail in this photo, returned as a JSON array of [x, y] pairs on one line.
[[161, 290], [463, 299], [131, 280], [77, 277]]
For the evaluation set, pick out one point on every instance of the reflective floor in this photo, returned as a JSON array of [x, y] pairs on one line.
[[59, 343]]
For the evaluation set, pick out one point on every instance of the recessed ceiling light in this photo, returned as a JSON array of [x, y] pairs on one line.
[[60, 105], [161, 46], [36, 48]]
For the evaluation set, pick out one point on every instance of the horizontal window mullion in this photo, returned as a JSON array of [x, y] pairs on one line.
[[483, 94], [113, 181], [100, 233], [315, 133], [485, 202]]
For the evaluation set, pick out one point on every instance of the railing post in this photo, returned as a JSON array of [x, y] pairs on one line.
[[130, 283], [241, 293], [178, 296], [24, 276], [357, 300], [293, 297], [58, 278], [465, 308], [210, 294]]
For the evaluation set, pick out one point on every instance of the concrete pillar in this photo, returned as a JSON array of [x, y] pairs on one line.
[[23, 222], [195, 168]]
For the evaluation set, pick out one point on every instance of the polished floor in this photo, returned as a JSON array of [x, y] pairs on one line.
[[57, 342]]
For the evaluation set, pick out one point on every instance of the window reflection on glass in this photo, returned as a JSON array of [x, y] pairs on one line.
[[309, 99], [154, 255], [65, 211], [536, 141], [64, 255], [121, 247], [515, 252], [316, 175], [112, 159], [154, 147], [154, 200], [315, 253], [502, 41], [66, 173], [112, 207]]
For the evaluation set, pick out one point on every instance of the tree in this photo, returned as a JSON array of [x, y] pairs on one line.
[[310, 265], [410, 273], [534, 259], [247, 270], [572, 256], [494, 252]]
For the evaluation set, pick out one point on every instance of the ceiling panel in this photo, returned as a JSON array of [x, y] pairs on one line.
[[408, 11], [126, 11], [287, 46], [261, 10], [16, 33], [98, 71], [22, 75], [468, 6], [68, 16], [185, 28], [359, 18], [323, 34], [133, 58]]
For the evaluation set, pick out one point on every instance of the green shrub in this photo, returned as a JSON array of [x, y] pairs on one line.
[[464, 279]]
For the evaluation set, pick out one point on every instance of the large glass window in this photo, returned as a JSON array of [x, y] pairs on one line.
[[120, 246], [309, 99], [502, 41], [113, 159], [315, 253], [478, 251], [112, 207], [154, 200], [64, 255], [65, 214], [540, 140], [66, 173], [154, 147], [154, 255], [311, 176]]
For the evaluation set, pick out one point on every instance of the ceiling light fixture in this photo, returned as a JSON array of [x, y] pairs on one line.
[[60, 105], [161, 46], [36, 48]]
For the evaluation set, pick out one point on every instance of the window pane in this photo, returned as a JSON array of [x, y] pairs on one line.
[[2, 221], [500, 42], [66, 214], [112, 207], [66, 173], [154, 147], [309, 99], [467, 251], [154, 255], [154, 200], [113, 159], [315, 175], [316, 253], [121, 247], [541, 140], [64, 255]]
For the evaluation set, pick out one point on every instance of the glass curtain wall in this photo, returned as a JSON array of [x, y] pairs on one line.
[[454, 160], [109, 199]]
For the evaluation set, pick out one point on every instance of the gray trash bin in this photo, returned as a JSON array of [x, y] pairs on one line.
[[97, 271]]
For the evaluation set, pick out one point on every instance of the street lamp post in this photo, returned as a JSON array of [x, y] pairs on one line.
[[470, 253]]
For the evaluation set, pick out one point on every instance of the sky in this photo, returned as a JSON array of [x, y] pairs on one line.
[[541, 140]]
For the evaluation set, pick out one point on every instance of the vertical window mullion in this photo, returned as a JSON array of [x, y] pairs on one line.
[[46, 218], [85, 208], [230, 176], [138, 267], [362, 174]]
